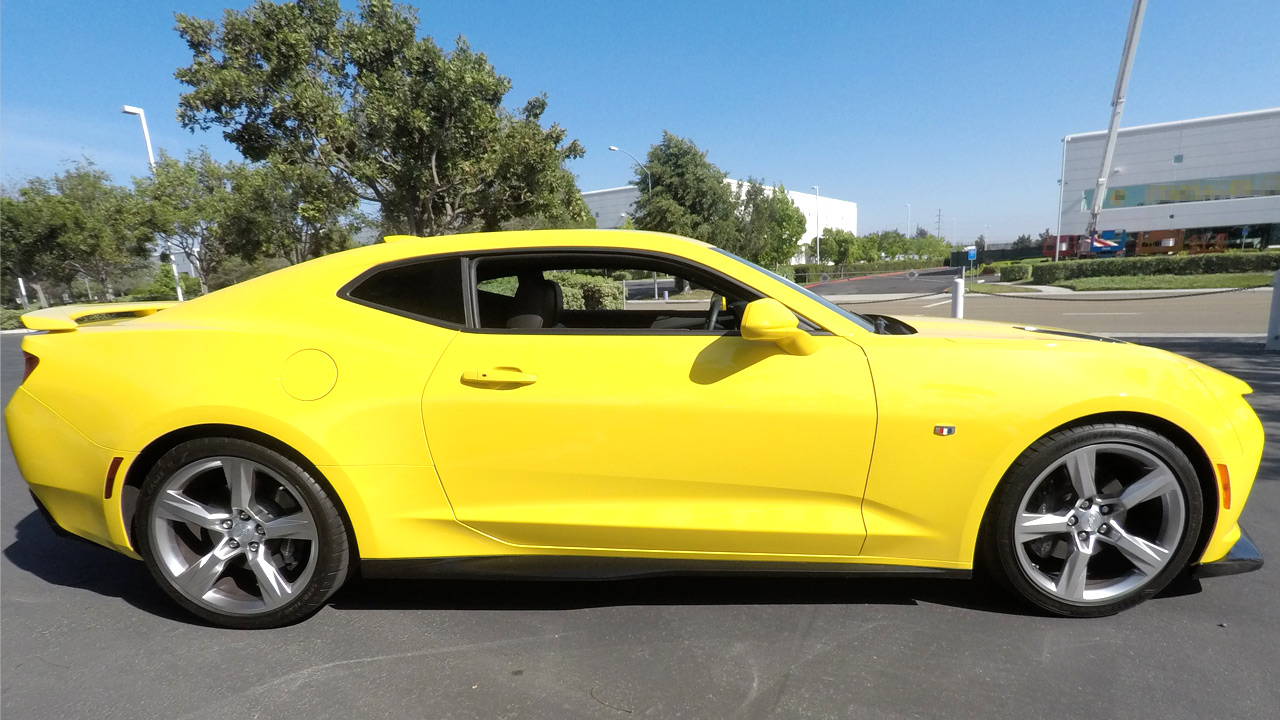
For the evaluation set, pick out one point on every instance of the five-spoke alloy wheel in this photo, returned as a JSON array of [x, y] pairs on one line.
[[1091, 520], [239, 534]]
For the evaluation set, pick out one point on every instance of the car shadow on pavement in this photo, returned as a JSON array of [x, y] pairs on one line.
[[556, 595], [86, 566]]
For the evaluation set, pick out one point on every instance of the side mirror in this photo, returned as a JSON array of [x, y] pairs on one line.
[[770, 321]]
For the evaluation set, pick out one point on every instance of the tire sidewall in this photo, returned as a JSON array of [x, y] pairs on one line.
[[331, 550]]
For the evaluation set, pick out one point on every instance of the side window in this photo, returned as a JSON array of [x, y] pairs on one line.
[[599, 291], [431, 290]]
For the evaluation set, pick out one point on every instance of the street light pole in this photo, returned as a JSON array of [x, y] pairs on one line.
[[151, 161], [817, 221], [909, 232], [647, 176], [1062, 187]]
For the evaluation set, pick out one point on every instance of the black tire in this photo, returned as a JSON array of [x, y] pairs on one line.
[[1069, 556], [308, 562]]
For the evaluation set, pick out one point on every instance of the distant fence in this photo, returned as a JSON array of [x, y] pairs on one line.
[[961, 257]]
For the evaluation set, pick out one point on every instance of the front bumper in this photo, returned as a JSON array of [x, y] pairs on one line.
[[1243, 557]]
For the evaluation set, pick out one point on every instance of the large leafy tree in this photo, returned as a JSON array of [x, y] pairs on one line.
[[392, 117], [770, 225], [295, 213], [188, 201], [75, 224], [690, 196]]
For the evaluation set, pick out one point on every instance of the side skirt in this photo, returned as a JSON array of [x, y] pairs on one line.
[[585, 567]]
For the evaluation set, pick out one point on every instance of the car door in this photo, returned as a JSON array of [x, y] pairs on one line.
[[653, 440]]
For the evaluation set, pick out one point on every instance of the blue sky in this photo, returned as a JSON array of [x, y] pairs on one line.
[[957, 106]]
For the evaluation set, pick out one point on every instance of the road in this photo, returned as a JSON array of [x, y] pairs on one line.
[[1118, 313], [907, 282], [88, 635]]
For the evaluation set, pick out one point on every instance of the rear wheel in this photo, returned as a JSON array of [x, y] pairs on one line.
[[239, 534], [1094, 519]]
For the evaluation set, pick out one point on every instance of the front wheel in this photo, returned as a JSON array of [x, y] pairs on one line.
[[239, 534], [1094, 519]]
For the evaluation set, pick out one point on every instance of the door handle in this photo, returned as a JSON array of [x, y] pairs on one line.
[[498, 376]]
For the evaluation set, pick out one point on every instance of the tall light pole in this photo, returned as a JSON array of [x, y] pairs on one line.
[[909, 231], [1062, 188], [151, 161], [817, 221], [648, 177]]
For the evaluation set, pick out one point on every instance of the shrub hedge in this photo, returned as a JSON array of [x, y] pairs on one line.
[[1014, 272], [9, 319], [588, 292], [1050, 273]]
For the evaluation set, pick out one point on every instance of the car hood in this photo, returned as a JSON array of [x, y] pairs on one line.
[[982, 332]]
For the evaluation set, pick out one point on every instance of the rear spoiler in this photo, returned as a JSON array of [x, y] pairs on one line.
[[66, 317]]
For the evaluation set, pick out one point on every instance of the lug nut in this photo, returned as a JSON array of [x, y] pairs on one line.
[[1071, 521], [253, 547], [1082, 535], [226, 524], [260, 530], [1104, 529], [233, 544], [1105, 509], [244, 515], [1084, 504]]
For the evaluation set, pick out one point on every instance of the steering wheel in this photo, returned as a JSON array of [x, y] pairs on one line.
[[714, 314]]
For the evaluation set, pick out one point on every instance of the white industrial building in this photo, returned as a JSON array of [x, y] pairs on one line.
[[612, 207], [1214, 176]]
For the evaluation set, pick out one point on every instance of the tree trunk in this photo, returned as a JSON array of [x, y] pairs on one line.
[[40, 294]]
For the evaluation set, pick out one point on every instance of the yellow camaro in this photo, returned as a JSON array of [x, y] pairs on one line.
[[488, 404]]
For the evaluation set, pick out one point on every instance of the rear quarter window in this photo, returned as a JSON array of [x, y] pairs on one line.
[[430, 290]]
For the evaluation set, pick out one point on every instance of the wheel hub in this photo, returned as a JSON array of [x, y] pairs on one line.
[[1088, 520], [243, 531]]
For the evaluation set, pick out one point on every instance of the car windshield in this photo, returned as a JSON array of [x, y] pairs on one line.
[[855, 317]]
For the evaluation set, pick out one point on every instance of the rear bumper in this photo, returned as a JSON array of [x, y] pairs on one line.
[[1243, 557], [66, 472]]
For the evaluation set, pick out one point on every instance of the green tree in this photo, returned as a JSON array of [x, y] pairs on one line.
[[188, 201], [295, 213], [76, 224], [28, 244], [770, 225], [1024, 241], [980, 243], [690, 196], [397, 120]]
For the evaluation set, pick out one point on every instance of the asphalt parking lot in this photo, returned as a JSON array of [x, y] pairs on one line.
[[86, 634]]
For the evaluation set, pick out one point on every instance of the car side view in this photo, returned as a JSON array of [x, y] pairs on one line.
[[489, 405]]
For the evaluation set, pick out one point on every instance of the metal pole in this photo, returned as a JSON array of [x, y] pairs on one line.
[[1273, 327], [909, 232], [649, 177], [957, 296], [22, 288], [151, 162], [817, 220], [1062, 186]]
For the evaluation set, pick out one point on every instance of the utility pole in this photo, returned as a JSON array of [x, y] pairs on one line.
[[939, 222]]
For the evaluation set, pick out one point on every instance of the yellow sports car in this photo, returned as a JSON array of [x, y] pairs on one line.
[[492, 405]]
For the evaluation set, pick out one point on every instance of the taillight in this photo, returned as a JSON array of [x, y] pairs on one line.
[[31, 362]]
